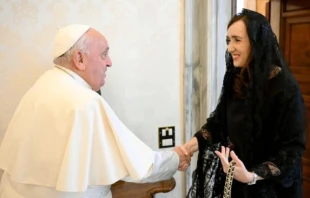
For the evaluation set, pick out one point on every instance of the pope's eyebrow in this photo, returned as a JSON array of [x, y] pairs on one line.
[[107, 49]]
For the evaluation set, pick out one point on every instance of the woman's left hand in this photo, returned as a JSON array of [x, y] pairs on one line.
[[241, 173]]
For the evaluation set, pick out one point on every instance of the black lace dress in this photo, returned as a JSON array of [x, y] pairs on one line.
[[276, 154]]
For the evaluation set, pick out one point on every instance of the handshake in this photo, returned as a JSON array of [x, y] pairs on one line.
[[185, 153]]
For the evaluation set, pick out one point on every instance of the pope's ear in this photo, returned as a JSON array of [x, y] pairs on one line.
[[79, 60]]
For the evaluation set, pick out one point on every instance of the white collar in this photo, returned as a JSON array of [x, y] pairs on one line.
[[74, 75]]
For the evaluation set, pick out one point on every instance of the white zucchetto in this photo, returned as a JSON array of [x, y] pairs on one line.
[[66, 37]]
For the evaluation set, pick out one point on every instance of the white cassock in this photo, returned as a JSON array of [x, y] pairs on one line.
[[64, 141]]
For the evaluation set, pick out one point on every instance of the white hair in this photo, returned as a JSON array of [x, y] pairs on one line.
[[81, 44]]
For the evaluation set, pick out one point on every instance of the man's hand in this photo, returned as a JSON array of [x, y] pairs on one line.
[[184, 156]]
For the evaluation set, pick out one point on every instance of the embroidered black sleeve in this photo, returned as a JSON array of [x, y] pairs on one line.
[[213, 131], [267, 170], [285, 165], [204, 138]]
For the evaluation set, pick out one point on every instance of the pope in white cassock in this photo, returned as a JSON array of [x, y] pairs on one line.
[[64, 140]]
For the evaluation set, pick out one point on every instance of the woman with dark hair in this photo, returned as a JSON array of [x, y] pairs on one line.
[[259, 122]]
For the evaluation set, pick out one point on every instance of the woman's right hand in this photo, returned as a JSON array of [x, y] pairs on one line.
[[191, 146]]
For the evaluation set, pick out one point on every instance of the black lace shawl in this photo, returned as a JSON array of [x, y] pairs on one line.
[[287, 139]]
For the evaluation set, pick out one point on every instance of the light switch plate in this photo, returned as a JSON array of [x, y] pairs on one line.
[[166, 137]]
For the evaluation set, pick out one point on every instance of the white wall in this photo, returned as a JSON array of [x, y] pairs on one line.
[[144, 85], [240, 5]]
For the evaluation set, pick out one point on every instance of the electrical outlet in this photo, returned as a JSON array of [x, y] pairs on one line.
[[166, 137]]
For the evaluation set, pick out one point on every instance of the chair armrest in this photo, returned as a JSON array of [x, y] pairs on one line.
[[123, 189]]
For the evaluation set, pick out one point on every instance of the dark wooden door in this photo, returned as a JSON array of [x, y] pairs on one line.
[[295, 43]]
